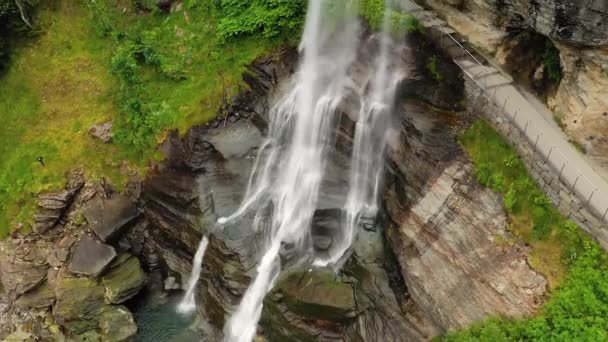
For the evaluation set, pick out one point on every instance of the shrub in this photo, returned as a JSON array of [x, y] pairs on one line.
[[510, 198], [271, 18]]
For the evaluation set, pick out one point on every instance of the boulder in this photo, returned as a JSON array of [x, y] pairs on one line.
[[107, 217], [80, 302], [117, 324], [102, 131], [317, 295], [124, 279], [90, 257], [41, 297]]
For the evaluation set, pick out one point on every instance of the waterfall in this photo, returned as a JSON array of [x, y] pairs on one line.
[[369, 143], [291, 163], [188, 303], [284, 185]]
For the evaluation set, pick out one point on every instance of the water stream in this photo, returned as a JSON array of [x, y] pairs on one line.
[[284, 186]]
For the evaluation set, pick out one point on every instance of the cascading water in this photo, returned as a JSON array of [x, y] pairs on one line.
[[188, 303], [369, 143], [283, 189]]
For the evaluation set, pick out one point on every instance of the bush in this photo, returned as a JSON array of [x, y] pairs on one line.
[[510, 198], [270, 18]]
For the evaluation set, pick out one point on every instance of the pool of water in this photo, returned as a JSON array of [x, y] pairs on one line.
[[158, 321]]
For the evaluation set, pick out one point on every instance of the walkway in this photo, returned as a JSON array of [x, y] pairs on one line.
[[574, 171]]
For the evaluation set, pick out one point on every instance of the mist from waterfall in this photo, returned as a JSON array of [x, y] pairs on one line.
[[284, 186]]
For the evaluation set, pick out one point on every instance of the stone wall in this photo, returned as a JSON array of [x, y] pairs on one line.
[[548, 178]]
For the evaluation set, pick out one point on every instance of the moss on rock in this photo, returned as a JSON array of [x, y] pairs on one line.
[[117, 324], [124, 279], [317, 295], [80, 301], [41, 297]]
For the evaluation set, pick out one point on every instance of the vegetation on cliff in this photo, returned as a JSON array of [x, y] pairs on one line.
[[147, 69], [576, 266]]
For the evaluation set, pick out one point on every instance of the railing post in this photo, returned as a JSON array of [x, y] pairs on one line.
[[589, 199], [526, 128], [561, 170], [536, 142], [549, 154], [515, 115], [575, 181], [605, 212]]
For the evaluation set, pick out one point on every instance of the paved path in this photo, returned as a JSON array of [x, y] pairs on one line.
[[574, 170]]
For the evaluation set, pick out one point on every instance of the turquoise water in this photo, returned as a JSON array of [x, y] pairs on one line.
[[157, 320]]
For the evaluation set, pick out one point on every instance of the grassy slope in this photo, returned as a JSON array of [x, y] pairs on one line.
[[60, 84], [575, 266], [55, 88]]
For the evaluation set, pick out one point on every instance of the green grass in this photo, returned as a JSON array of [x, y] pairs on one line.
[[61, 83], [575, 266], [55, 88]]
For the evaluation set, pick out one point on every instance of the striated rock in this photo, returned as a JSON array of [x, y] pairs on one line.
[[80, 302], [117, 324], [41, 297], [90, 257], [107, 217], [22, 265], [102, 131], [450, 257], [60, 252], [52, 205], [124, 279]]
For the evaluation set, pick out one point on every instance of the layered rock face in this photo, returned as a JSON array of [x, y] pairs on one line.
[[579, 29], [414, 286]]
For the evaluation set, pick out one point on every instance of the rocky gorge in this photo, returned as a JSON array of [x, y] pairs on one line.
[[432, 261]]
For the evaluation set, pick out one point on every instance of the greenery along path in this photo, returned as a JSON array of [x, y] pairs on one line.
[[577, 268], [148, 70]]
